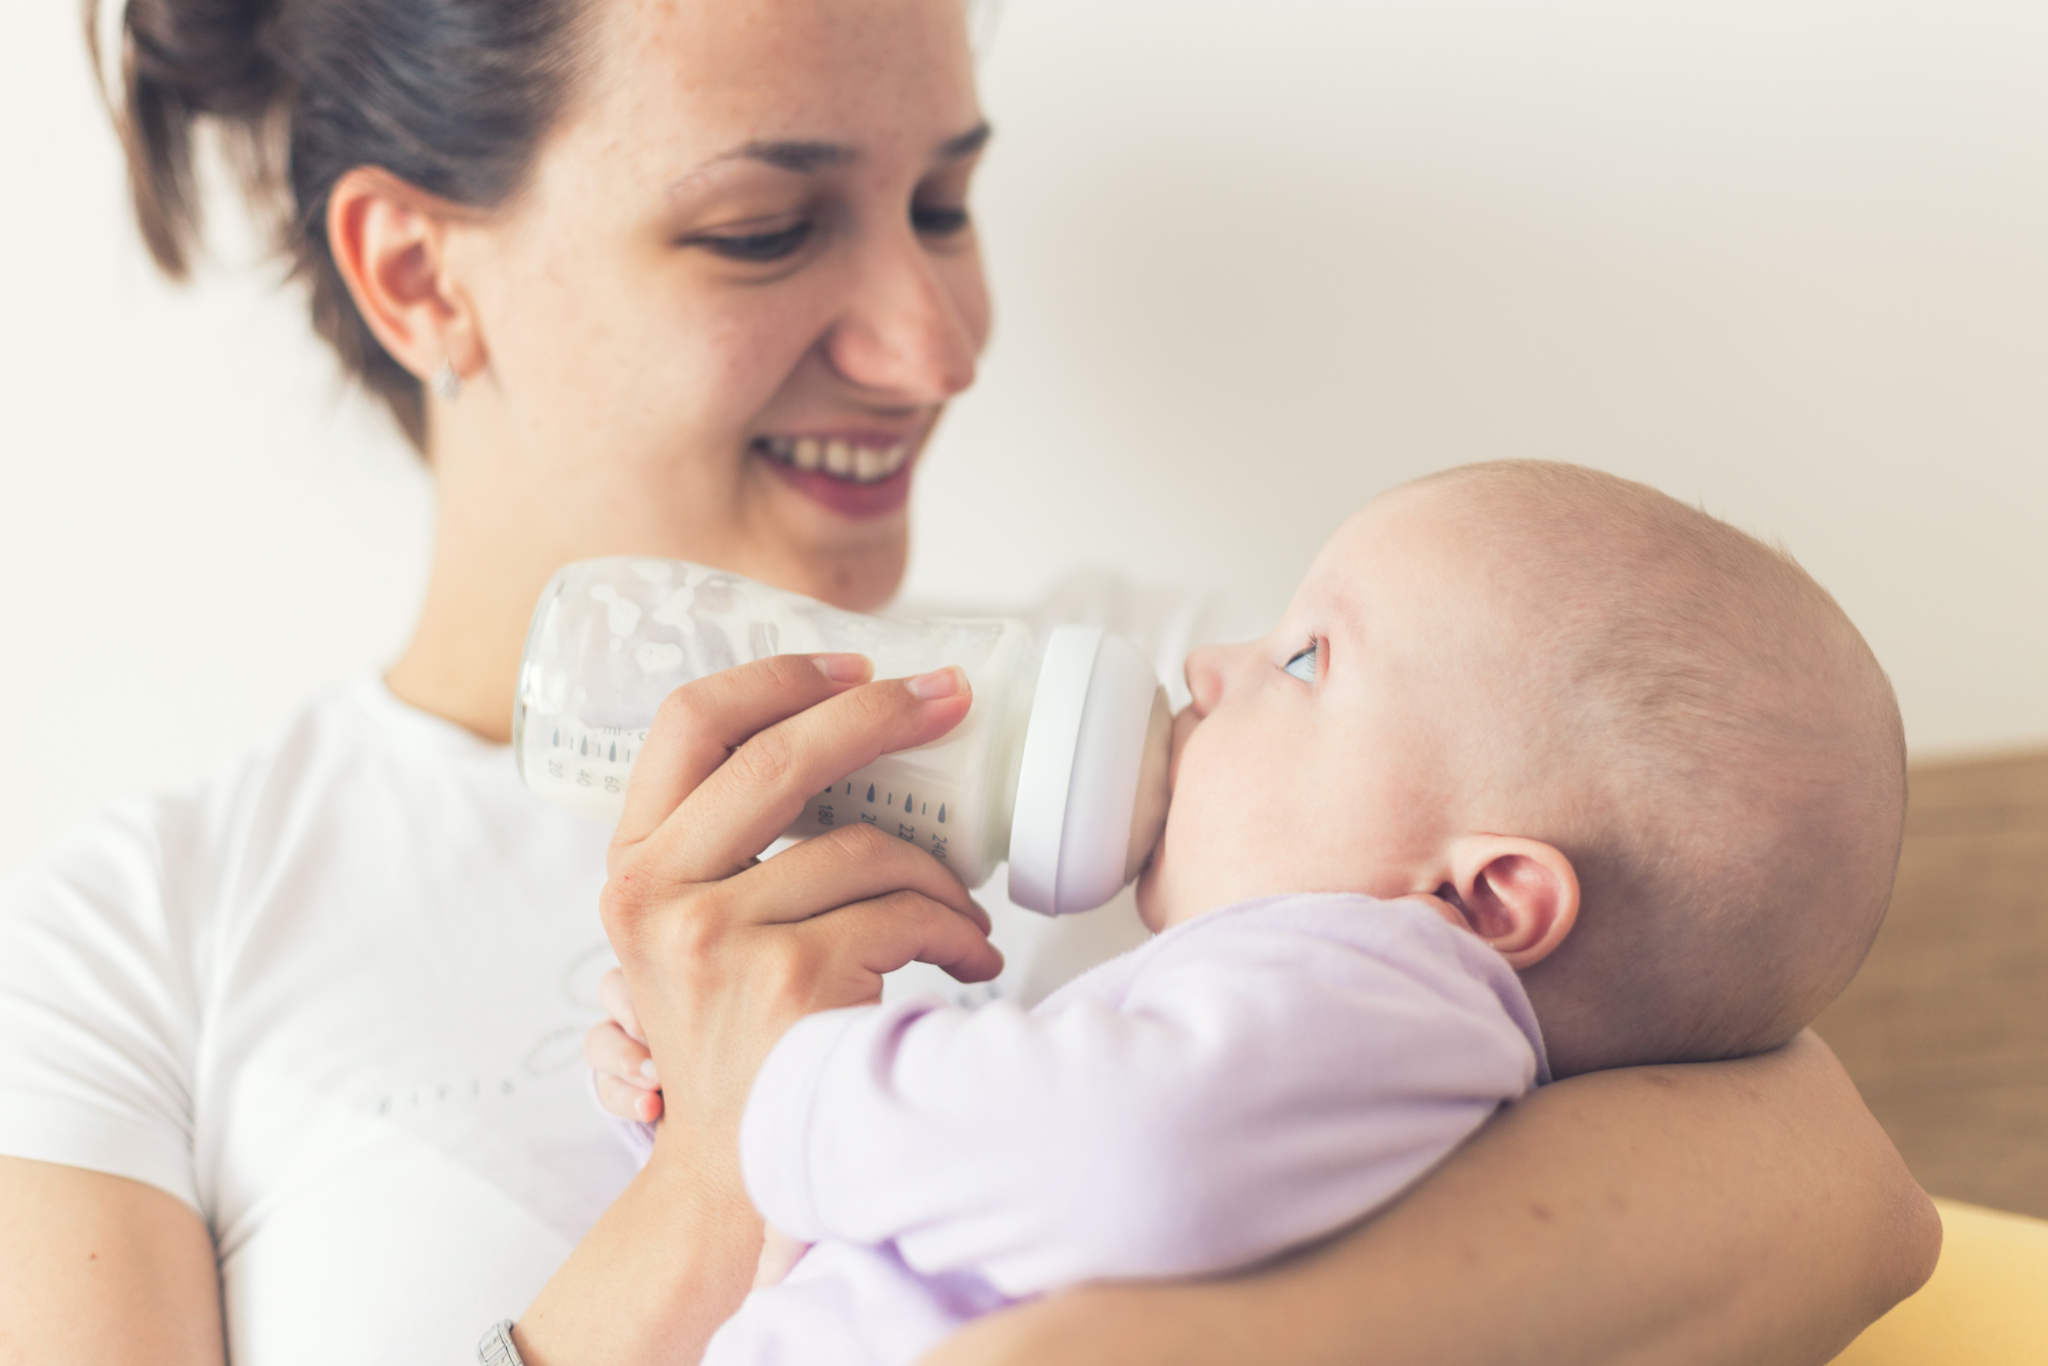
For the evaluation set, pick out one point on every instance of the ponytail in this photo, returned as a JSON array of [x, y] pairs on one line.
[[453, 96], [183, 60]]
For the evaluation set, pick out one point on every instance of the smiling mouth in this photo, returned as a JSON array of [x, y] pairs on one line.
[[836, 459]]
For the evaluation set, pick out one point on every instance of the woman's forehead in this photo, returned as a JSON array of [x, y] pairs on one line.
[[706, 76]]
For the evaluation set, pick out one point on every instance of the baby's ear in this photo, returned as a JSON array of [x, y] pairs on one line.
[[1521, 896]]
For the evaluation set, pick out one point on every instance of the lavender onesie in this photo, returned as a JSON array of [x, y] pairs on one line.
[[1257, 1077]]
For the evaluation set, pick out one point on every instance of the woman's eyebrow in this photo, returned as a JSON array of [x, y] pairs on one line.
[[803, 156], [967, 143], [800, 157]]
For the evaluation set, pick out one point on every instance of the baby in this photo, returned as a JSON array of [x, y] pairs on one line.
[[1543, 772]]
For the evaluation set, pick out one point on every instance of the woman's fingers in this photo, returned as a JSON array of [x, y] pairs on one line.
[[610, 1053], [857, 944], [617, 1000], [701, 723], [753, 796], [852, 863]]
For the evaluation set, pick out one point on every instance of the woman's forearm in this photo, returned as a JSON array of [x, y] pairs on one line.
[[669, 1261], [1750, 1211]]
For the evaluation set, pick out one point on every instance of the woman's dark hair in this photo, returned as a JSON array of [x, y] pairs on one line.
[[453, 96]]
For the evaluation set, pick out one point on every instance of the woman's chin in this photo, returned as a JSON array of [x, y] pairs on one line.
[[804, 542]]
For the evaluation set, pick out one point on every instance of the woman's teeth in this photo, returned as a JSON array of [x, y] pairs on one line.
[[841, 460]]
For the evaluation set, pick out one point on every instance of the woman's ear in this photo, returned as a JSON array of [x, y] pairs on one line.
[[389, 239], [1521, 896]]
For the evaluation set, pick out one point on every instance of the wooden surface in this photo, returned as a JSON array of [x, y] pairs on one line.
[[1946, 1027]]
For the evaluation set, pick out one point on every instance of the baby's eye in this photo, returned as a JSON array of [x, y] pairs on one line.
[[1303, 665]]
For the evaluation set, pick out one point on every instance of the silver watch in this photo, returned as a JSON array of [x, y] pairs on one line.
[[496, 1349]]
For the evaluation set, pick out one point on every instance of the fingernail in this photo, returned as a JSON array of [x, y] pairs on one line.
[[842, 668], [647, 1070], [938, 683]]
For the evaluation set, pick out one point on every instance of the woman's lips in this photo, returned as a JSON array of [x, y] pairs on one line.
[[855, 479]]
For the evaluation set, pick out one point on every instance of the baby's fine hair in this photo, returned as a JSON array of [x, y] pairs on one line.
[[1726, 749]]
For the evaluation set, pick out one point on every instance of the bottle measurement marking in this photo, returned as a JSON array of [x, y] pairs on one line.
[[910, 802], [593, 756], [825, 815]]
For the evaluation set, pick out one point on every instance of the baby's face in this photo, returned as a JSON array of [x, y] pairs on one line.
[[1315, 759]]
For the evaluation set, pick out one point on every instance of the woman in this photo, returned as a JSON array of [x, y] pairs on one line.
[[288, 1059]]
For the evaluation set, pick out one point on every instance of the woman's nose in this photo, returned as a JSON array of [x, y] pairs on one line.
[[915, 326]]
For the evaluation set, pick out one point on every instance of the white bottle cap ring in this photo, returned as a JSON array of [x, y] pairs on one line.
[[1091, 789]]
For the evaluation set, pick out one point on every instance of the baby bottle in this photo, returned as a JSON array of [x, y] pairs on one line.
[[1059, 765]]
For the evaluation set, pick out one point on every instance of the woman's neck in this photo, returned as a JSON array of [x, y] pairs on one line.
[[496, 543], [463, 661]]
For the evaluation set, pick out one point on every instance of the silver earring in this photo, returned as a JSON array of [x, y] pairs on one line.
[[447, 383]]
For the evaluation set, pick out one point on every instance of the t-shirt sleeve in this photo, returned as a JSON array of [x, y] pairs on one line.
[[98, 1007], [1258, 1086]]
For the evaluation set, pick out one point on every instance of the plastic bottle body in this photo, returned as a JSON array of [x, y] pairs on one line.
[[612, 638]]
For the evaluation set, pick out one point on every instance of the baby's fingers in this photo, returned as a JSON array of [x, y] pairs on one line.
[[611, 1052], [627, 1102]]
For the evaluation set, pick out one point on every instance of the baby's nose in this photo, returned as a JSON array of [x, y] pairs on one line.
[[1204, 671]]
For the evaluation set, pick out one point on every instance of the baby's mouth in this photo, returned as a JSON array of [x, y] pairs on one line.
[[837, 459]]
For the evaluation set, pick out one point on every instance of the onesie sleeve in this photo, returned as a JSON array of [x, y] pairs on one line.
[[98, 1011], [1259, 1083]]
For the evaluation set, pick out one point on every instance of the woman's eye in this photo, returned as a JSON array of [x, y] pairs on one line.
[[937, 221], [1303, 665], [759, 246]]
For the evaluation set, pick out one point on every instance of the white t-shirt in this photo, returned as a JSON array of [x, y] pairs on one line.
[[334, 1000]]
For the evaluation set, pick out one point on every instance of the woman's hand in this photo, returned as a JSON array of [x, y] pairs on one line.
[[720, 952]]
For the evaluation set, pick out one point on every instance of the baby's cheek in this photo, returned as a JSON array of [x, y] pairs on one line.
[[1151, 904], [1194, 851], [1184, 723]]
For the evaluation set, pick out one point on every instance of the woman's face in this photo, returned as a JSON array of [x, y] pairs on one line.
[[724, 318]]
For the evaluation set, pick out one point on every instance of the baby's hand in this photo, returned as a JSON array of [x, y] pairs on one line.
[[617, 1051]]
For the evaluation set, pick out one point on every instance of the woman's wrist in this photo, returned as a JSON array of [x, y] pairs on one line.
[[666, 1264]]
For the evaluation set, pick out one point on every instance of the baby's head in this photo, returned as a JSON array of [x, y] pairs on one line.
[[1641, 753]]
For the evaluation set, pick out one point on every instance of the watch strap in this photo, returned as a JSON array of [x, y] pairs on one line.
[[497, 1348]]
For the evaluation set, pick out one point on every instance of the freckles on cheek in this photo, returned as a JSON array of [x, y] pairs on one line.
[[565, 332], [751, 353]]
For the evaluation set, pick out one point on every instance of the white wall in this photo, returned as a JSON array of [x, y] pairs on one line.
[[1253, 263]]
